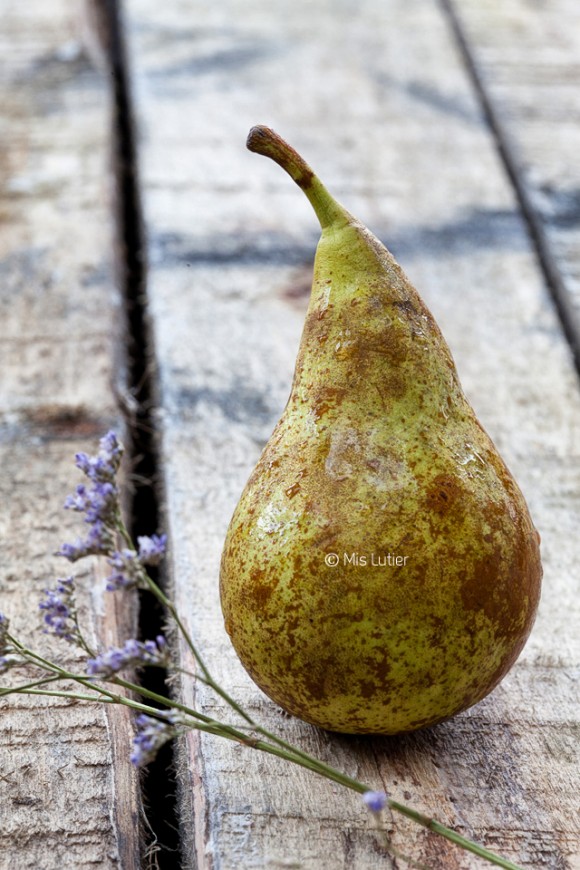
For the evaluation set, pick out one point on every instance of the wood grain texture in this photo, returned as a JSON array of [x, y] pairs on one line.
[[68, 795], [527, 56], [377, 99]]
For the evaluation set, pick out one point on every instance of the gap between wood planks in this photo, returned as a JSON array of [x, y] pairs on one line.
[[157, 782], [509, 159]]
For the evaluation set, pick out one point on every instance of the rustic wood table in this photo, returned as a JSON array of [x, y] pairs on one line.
[[154, 278]]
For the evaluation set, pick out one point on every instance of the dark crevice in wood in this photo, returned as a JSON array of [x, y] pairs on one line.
[[508, 153], [157, 783]]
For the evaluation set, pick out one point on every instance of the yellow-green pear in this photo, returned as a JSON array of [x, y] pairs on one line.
[[381, 571]]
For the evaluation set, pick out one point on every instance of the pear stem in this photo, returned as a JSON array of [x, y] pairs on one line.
[[263, 140]]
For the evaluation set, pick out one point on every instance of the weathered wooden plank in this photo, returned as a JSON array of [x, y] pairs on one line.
[[68, 795], [380, 104], [527, 57]]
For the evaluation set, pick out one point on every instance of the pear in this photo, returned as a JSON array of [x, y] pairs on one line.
[[381, 571]]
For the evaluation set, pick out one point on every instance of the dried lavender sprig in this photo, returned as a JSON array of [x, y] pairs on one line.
[[60, 613], [104, 466], [129, 564], [150, 736], [281, 748], [128, 571], [100, 501], [98, 542], [151, 548], [232, 733], [133, 653], [31, 657]]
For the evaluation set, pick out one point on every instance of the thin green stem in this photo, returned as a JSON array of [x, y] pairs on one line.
[[81, 639], [454, 837], [79, 696], [62, 672], [291, 752], [211, 727], [287, 752], [97, 687], [170, 607], [161, 699], [110, 698], [122, 529], [207, 677], [12, 690]]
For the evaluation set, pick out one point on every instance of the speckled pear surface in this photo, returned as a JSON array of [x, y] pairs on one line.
[[381, 571]]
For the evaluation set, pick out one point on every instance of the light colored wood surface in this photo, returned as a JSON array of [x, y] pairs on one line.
[[528, 57], [378, 100], [376, 96], [68, 795]]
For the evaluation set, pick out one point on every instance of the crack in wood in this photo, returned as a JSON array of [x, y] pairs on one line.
[[137, 402]]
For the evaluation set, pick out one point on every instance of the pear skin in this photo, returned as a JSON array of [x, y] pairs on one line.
[[381, 571]]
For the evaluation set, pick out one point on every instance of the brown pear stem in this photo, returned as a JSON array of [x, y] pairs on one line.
[[263, 140]]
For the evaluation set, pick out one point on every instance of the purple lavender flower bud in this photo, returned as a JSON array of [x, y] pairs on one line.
[[77, 502], [111, 448], [151, 549], [104, 466], [375, 800], [72, 552], [150, 737], [99, 541], [101, 503], [83, 461], [127, 573], [133, 653], [60, 616]]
